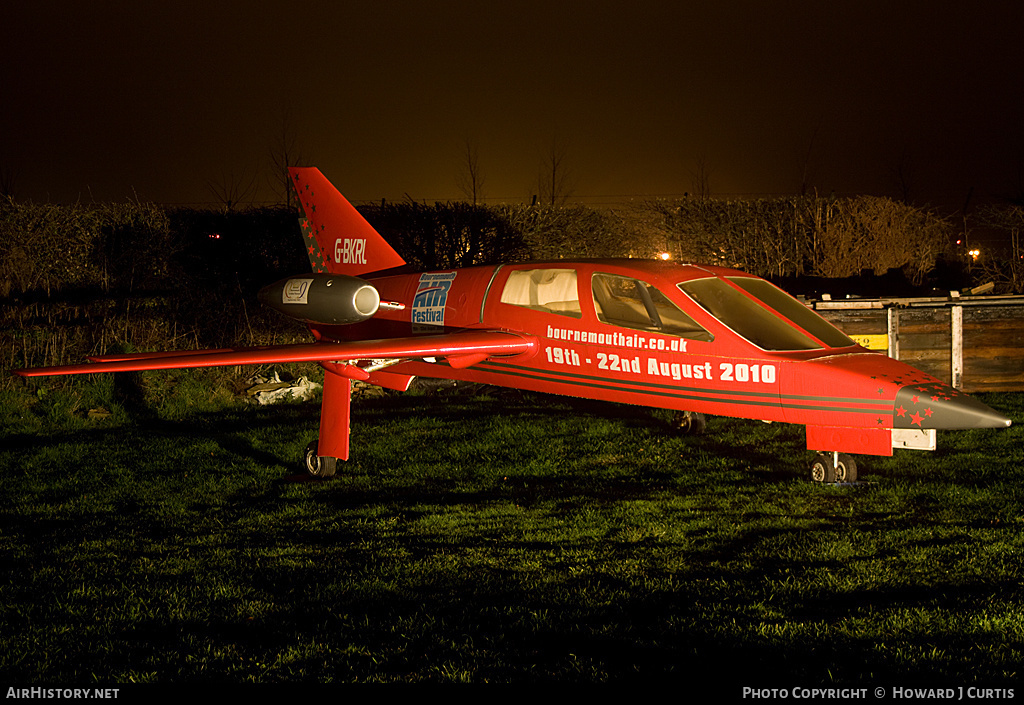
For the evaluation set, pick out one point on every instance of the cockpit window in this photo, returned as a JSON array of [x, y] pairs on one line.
[[549, 290], [631, 303], [746, 316], [793, 310]]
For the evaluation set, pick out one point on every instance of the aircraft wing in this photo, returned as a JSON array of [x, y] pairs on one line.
[[459, 349]]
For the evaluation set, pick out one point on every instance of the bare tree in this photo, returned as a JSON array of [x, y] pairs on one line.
[[903, 177], [807, 159], [232, 189], [1006, 270], [470, 179], [285, 152], [803, 235], [555, 182], [700, 178]]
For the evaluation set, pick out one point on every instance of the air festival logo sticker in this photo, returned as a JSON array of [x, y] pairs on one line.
[[429, 302]]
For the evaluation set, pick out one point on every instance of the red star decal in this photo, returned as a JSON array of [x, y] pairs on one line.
[[312, 249], [916, 418], [914, 400], [901, 411], [928, 412], [935, 398]]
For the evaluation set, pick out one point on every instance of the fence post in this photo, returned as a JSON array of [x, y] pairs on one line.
[[956, 325], [893, 313]]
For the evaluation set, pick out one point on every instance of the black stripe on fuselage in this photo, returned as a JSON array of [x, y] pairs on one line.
[[785, 401]]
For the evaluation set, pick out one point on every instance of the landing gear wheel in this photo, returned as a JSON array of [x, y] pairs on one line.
[[826, 469], [846, 469], [321, 466], [823, 470], [690, 423]]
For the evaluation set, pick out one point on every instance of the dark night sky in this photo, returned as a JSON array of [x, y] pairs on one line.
[[113, 100]]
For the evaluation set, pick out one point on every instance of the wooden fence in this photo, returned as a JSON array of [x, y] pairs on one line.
[[976, 343]]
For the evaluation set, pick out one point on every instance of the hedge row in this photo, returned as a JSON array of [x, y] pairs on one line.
[[88, 279], [92, 279]]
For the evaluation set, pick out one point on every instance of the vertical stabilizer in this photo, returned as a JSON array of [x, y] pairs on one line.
[[338, 239]]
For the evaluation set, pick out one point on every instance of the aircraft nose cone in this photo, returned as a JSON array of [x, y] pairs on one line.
[[940, 406]]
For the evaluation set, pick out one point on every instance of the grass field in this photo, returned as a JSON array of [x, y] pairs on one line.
[[494, 537]]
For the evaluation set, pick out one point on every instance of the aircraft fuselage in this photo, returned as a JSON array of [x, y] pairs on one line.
[[670, 353]]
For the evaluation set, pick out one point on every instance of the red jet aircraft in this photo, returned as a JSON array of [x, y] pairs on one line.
[[694, 338]]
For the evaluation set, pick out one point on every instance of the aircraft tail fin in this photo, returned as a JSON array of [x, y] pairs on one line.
[[338, 239]]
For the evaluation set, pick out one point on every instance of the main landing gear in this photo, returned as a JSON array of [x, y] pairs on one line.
[[319, 466], [834, 467], [689, 423]]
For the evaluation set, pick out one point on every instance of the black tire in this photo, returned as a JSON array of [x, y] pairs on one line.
[[690, 423], [846, 470], [822, 469], [319, 466]]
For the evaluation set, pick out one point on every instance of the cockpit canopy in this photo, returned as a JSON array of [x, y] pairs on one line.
[[753, 308], [769, 317]]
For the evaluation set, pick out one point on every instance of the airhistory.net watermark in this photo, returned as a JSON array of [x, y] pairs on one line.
[[63, 693]]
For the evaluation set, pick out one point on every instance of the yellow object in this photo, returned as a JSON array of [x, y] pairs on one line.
[[872, 342]]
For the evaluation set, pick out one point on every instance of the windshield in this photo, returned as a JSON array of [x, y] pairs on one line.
[[756, 321], [790, 308]]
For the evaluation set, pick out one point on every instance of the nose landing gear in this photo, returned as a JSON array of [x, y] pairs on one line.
[[834, 467]]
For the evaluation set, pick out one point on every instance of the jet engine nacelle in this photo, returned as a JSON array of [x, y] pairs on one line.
[[330, 299]]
